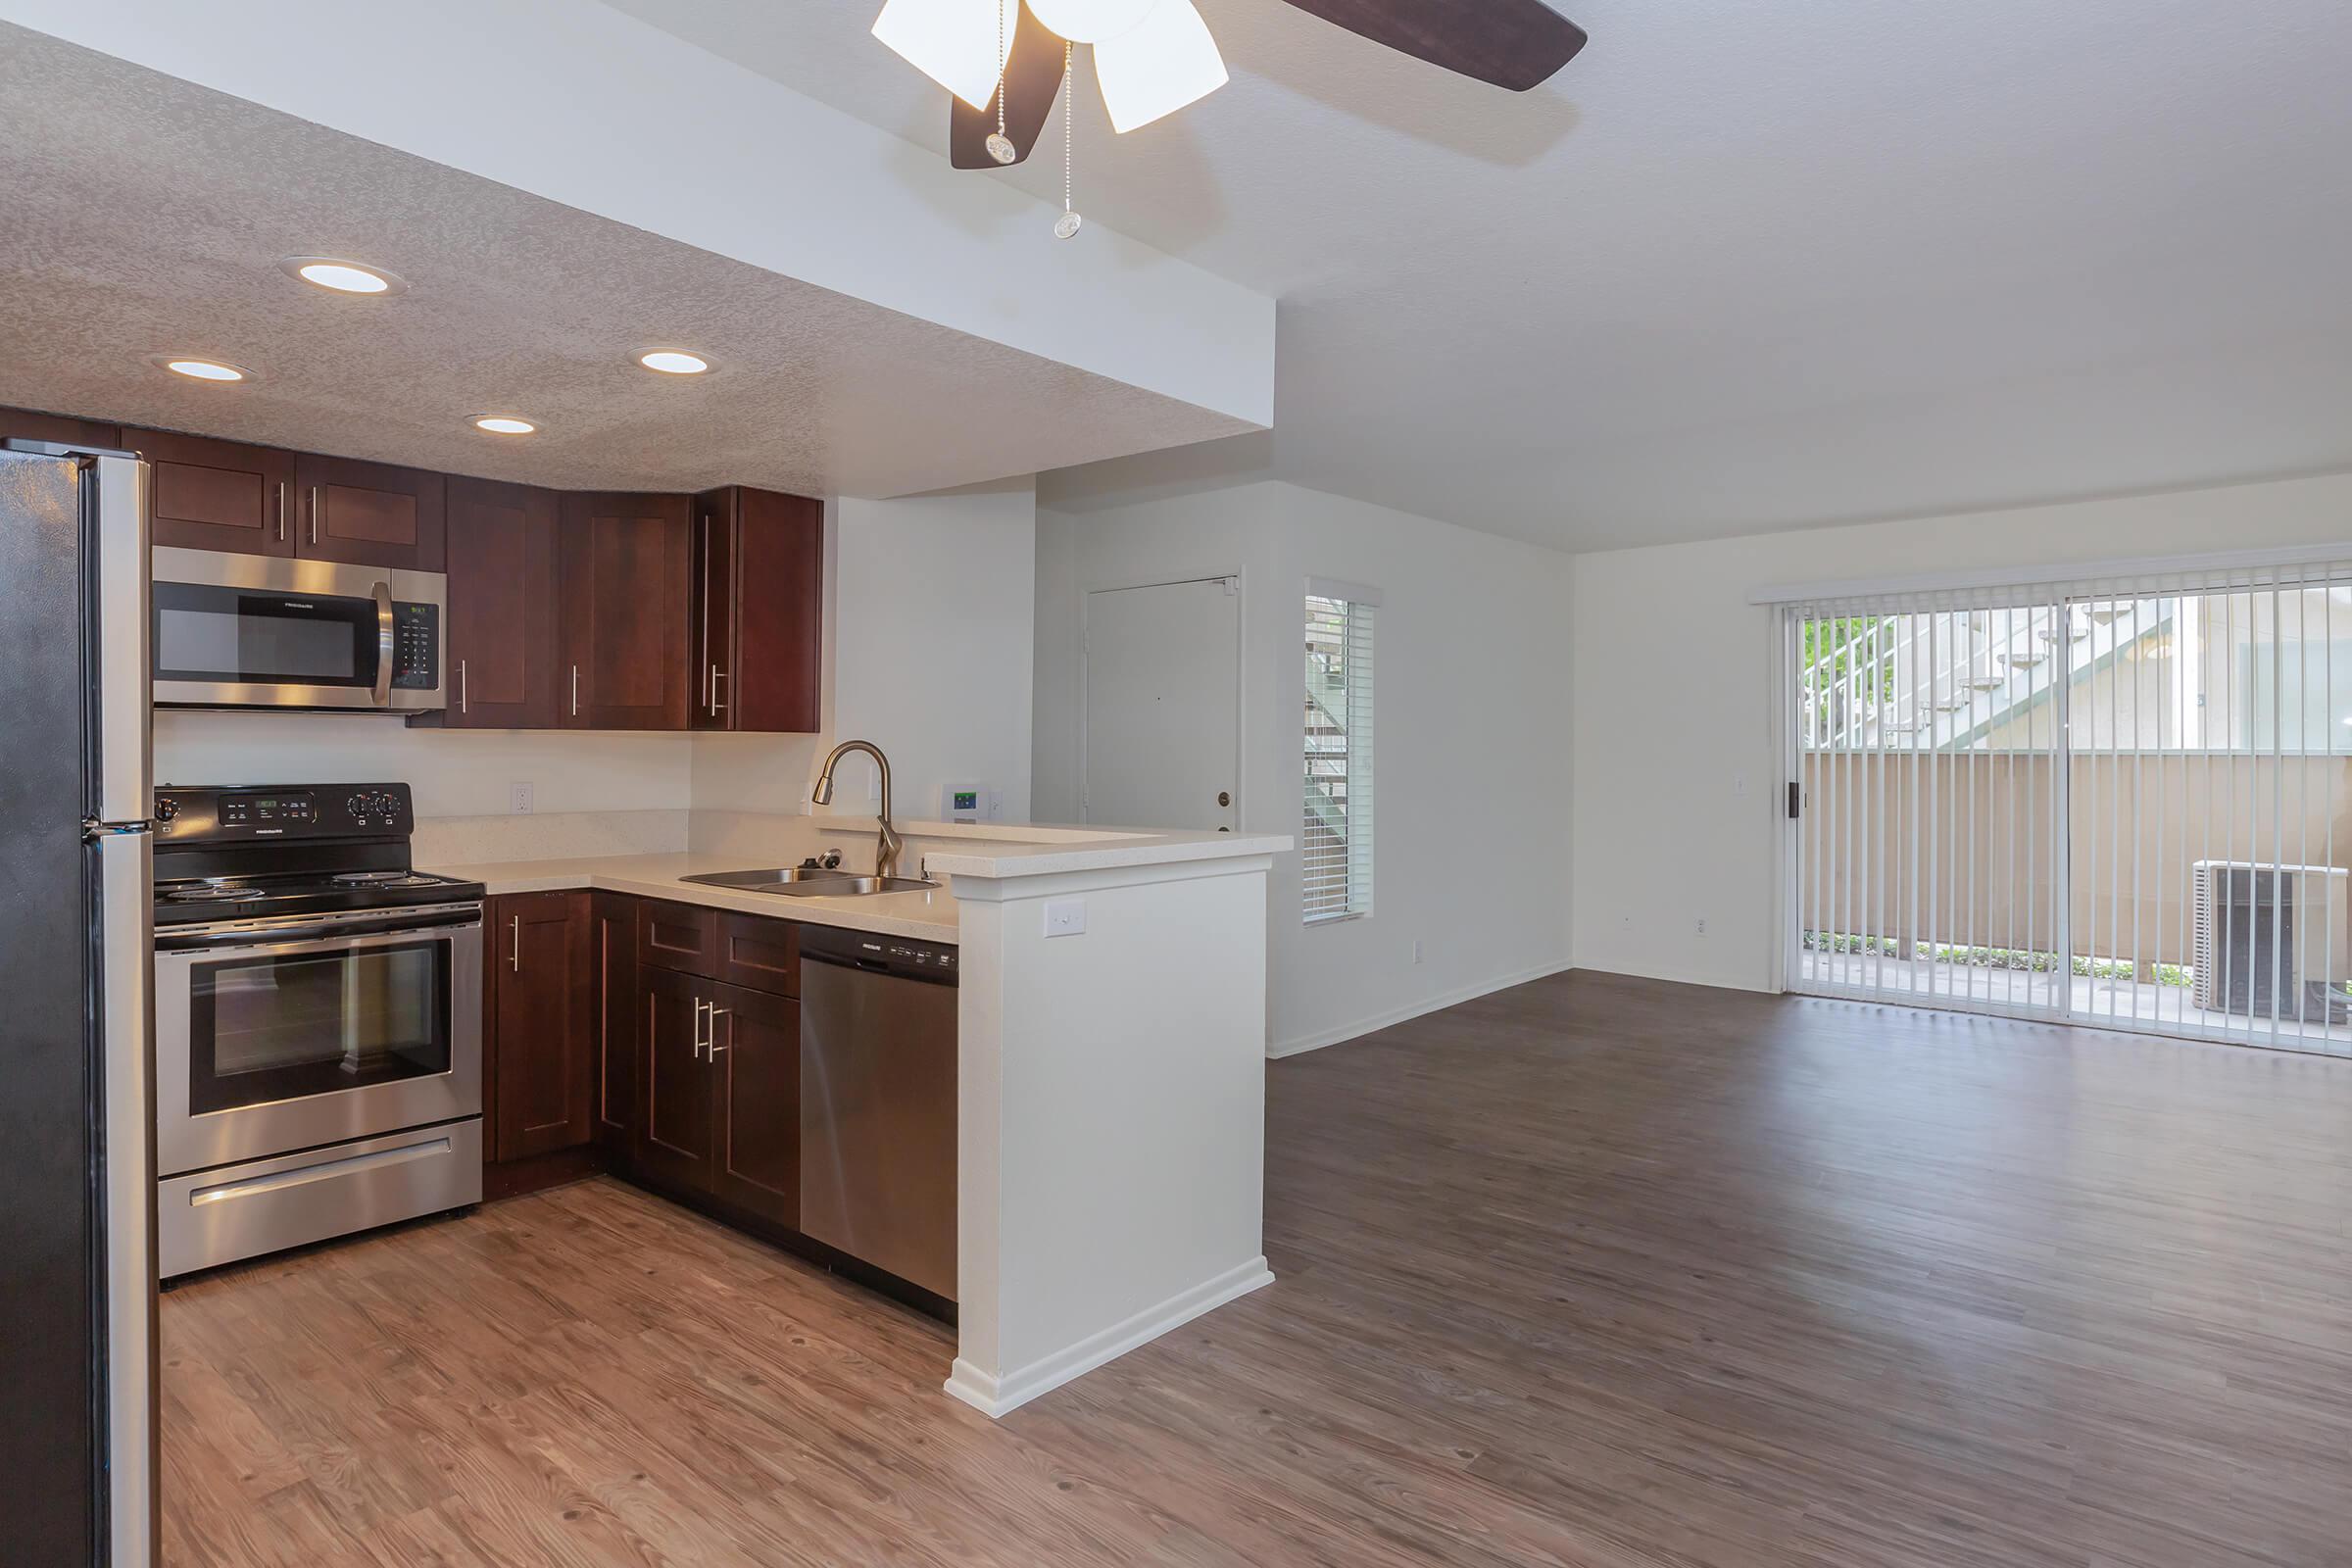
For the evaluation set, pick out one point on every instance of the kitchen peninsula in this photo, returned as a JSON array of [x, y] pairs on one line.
[[1109, 1107]]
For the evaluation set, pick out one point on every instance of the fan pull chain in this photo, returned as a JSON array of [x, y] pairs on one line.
[[1067, 224], [1000, 146]]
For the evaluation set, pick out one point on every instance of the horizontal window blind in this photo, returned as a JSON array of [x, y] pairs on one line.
[[1335, 826], [2110, 800]]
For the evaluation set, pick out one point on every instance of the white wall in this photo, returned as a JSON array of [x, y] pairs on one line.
[[927, 653], [1674, 699], [455, 772], [928, 648], [1473, 766]]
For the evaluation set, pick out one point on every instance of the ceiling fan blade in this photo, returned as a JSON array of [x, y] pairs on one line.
[[1512, 43], [1032, 73]]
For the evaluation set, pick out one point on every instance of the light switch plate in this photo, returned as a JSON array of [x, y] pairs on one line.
[[1065, 918]]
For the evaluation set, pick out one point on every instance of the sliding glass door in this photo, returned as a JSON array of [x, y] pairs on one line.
[[2117, 802], [1931, 831]]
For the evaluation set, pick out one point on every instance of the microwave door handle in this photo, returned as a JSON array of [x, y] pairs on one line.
[[383, 644]]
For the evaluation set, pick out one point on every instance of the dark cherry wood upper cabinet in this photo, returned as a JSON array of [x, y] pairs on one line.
[[623, 560], [613, 942], [758, 610], [370, 514], [756, 1051], [503, 641], [204, 494], [24, 424], [541, 1072], [675, 1120]]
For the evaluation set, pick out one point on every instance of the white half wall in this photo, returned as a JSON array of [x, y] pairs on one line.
[[1473, 762], [1674, 708]]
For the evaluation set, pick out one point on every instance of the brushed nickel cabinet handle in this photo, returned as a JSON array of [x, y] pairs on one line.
[[281, 512], [516, 957], [711, 1047], [700, 1007], [465, 690], [575, 691], [717, 675], [314, 514]]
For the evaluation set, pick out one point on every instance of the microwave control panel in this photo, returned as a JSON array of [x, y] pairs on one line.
[[304, 811], [416, 646]]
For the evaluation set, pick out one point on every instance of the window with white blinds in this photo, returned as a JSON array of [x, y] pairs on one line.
[[1335, 826]]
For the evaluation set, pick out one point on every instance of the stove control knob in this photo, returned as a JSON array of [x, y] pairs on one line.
[[166, 809], [356, 806]]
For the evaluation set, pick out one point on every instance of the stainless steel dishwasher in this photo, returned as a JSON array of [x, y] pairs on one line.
[[878, 1102]]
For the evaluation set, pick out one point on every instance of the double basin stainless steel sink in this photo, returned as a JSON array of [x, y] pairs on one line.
[[810, 882]]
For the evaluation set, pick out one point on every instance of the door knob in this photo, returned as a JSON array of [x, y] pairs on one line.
[[1224, 797]]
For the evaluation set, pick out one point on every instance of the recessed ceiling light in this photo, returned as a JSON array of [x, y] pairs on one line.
[[504, 424], [344, 277], [674, 361], [197, 370]]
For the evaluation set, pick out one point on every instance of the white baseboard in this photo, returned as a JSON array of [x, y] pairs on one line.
[[999, 1395], [1395, 1015]]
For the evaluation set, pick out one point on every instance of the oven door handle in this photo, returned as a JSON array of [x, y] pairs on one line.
[[279, 945], [384, 643]]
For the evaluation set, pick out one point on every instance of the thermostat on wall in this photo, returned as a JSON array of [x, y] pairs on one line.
[[967, 803]]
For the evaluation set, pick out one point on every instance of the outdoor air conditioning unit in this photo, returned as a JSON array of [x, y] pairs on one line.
[[2258, 925]]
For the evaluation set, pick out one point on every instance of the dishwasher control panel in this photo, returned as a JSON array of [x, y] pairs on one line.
[[863, 950]]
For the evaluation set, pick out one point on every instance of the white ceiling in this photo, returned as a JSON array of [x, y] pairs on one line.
[[142, 214], [1745, 264]]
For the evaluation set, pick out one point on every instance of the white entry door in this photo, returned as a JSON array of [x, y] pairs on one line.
[[1163, 705]]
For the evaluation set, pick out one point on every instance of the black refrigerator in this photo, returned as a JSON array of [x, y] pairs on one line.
[[78, 1357]]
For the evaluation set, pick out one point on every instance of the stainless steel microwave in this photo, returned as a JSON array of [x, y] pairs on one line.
[[272, 631]]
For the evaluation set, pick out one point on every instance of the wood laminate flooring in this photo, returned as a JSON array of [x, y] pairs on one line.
[[1593, 1271]]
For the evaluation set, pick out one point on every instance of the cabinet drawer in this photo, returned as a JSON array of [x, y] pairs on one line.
[[760, 954], [678, 936]]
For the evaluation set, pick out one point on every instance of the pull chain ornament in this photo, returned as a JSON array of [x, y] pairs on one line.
[[1000, 146], [1068, 222]]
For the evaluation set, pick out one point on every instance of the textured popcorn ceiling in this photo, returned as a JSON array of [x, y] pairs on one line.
[[140, 215]]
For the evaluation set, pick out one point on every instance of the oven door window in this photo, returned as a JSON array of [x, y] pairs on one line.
[[284, 1027], [207, 633]]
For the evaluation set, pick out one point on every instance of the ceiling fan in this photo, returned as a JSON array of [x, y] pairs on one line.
[[1153, 57]]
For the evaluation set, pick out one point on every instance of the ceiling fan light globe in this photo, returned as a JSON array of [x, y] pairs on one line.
[[1093, 20], [954, 42], [1166, 63]]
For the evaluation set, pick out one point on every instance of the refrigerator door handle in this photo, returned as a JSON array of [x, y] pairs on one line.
[[120, 648], [126, 877]]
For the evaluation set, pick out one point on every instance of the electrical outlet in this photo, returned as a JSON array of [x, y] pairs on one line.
[[1702, 927], [518, 798], [1065, 918]]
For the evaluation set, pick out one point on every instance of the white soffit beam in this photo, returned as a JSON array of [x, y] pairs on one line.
[[579, 103]]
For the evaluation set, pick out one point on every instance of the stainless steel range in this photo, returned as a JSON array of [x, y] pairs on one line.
[[318, 1021]]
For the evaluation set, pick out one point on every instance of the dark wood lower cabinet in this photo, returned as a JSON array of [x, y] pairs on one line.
[[541, 1089], [755, 1043], [676, 1129], [613, 954]]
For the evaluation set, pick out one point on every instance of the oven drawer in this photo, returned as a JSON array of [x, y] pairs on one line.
[[236, 1211]]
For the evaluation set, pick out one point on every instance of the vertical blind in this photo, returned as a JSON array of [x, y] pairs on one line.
[[1335, 826], [2114, 800]]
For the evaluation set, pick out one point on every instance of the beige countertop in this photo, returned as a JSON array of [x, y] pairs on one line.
[[948, 849], [927, 916]]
